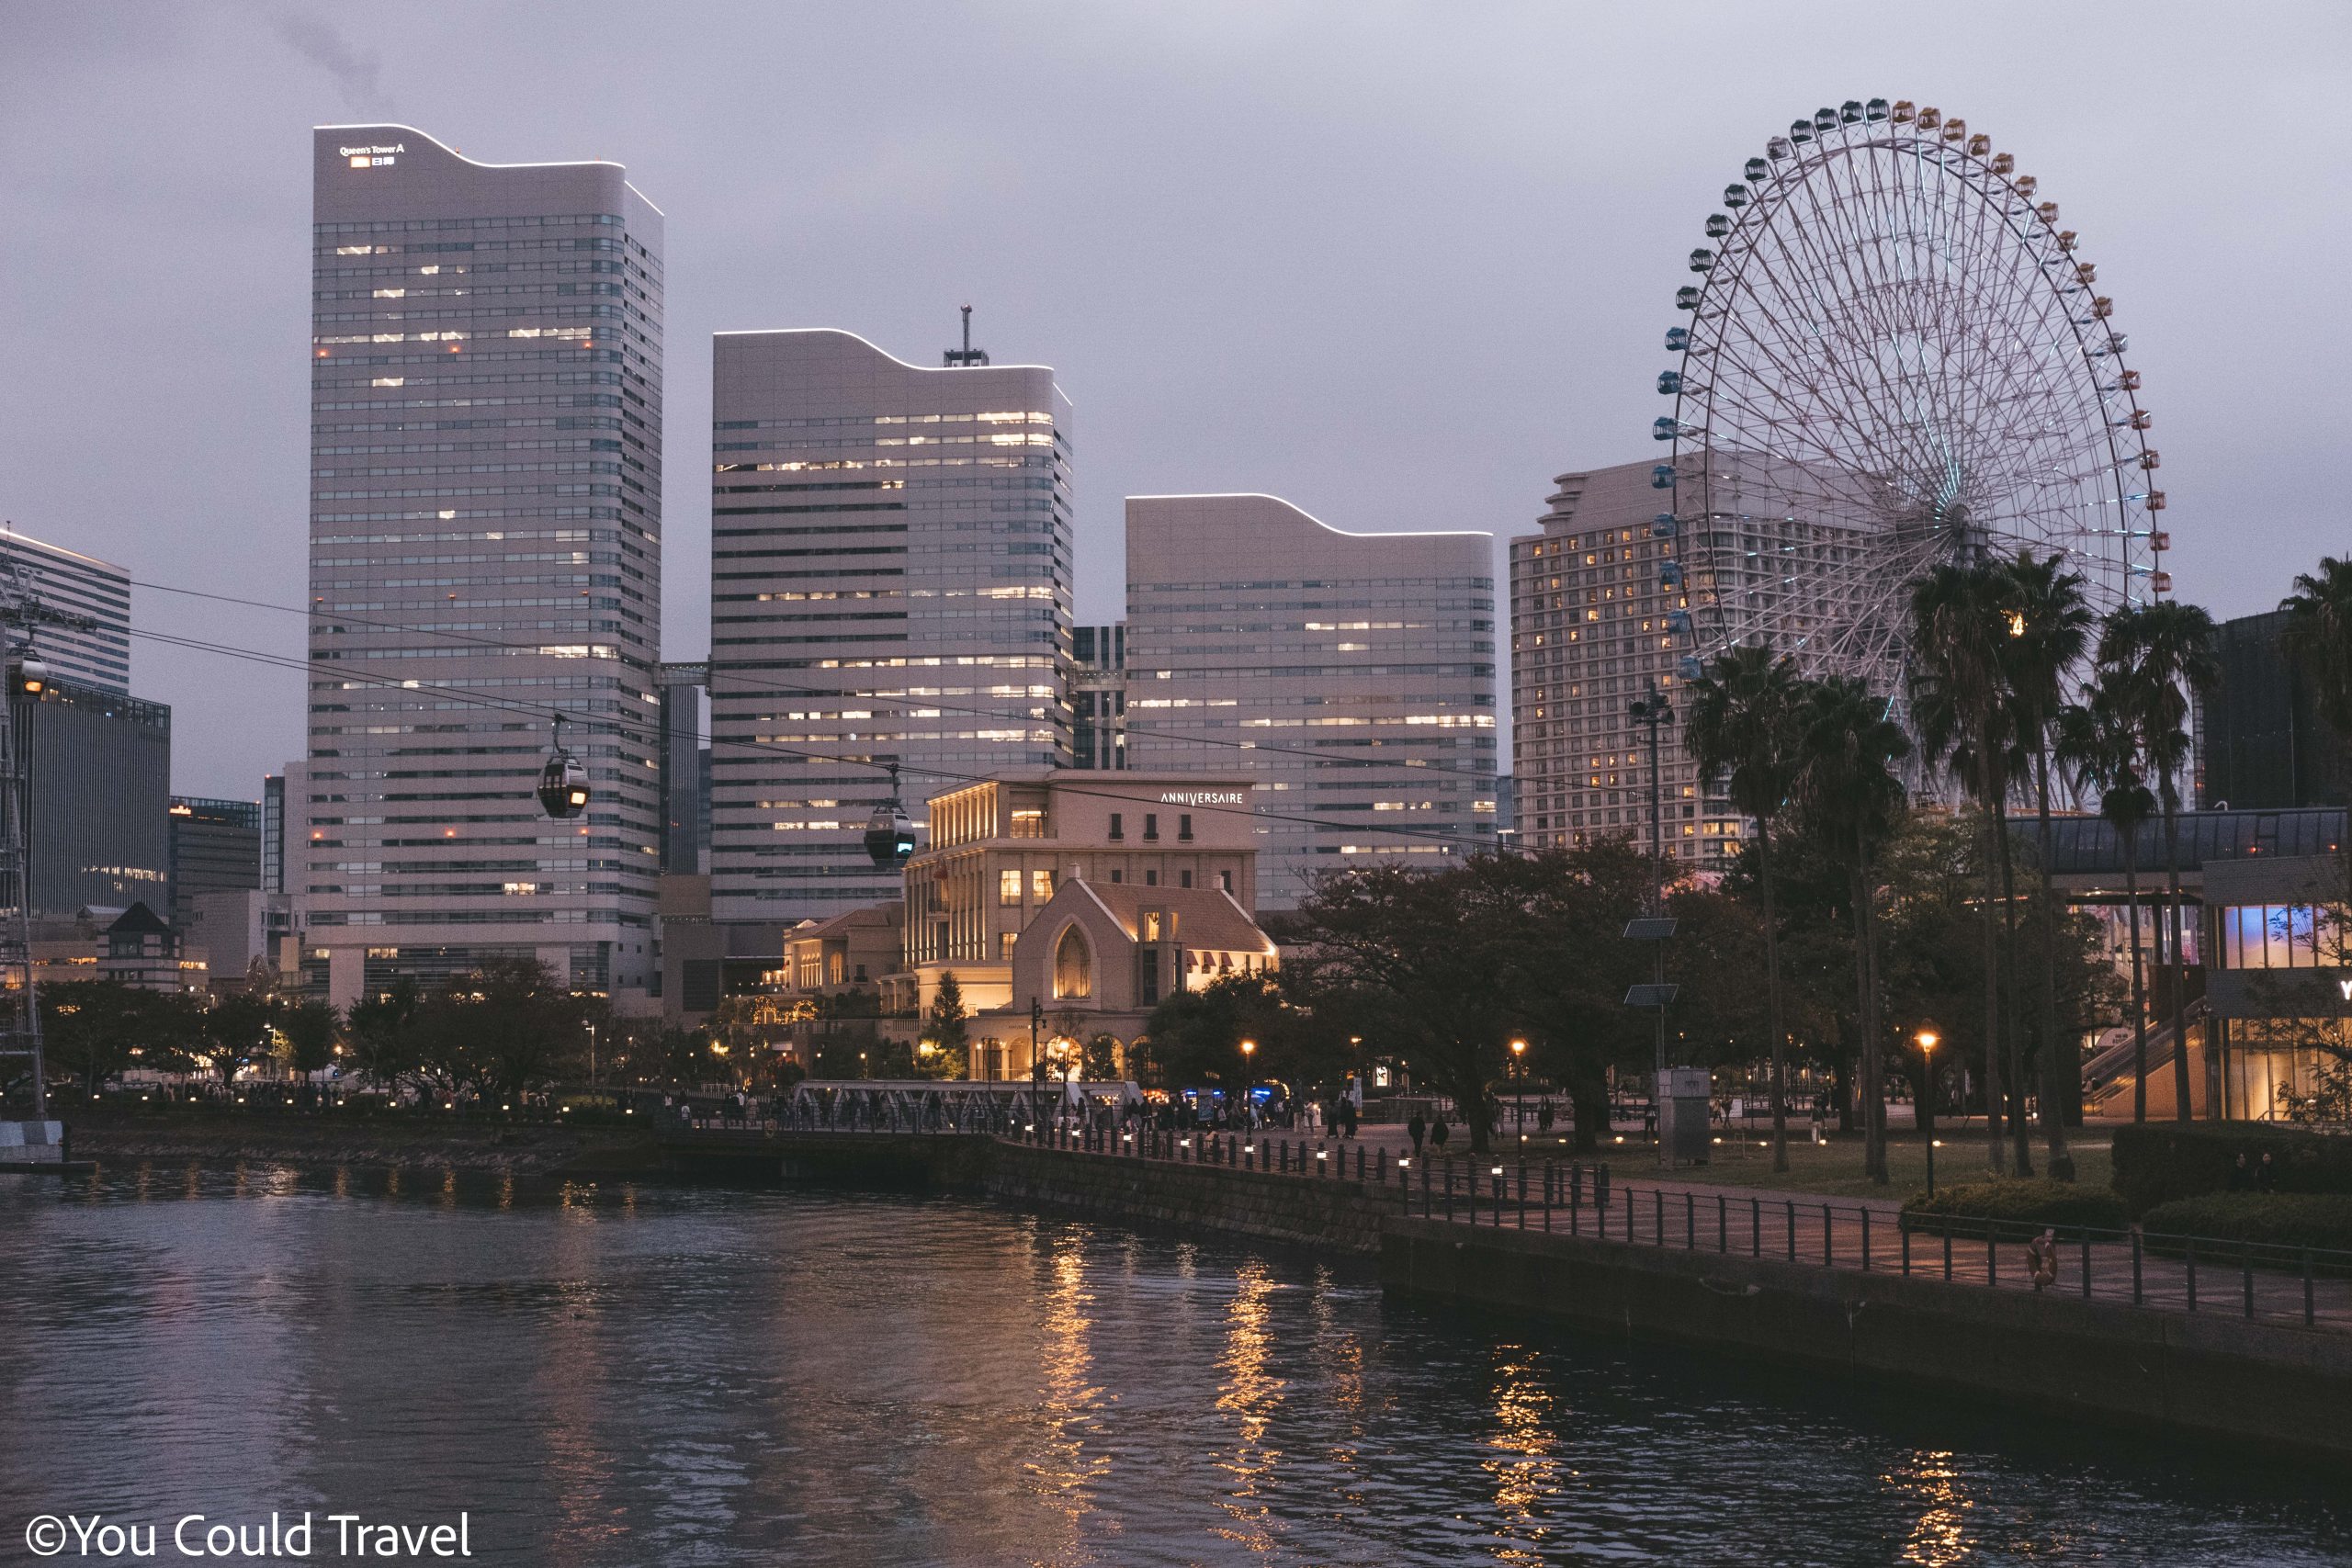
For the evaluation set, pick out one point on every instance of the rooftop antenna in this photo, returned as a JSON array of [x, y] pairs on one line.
[[965, 356]]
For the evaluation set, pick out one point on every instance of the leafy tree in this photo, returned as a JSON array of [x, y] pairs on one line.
[[308, 1029], [91, 1027], [1424, 948], [236, 1028], [381, 1031], [1099, 1059], [505, 1029], [1742, 726], [945, 1026]]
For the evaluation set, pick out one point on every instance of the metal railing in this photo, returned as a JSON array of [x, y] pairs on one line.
[[2159, 1271]]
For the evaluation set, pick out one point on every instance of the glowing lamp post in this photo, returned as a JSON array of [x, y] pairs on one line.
[[1928, 1039], [1518, 1080]]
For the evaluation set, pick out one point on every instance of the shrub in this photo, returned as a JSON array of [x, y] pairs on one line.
[[2158, 1162], [2014, 1206], [2322, 1220]]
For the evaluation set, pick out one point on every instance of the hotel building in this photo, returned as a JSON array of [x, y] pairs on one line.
[[890, 584], [1589, 633], [485, 554], [1352, 675]]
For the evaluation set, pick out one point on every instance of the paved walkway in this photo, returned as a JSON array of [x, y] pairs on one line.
[[2159, 1274]]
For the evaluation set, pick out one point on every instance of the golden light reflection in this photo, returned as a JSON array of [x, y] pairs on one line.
[[1524, 1459], [1940, 1535], [1063, 1468], [1250, 1395]]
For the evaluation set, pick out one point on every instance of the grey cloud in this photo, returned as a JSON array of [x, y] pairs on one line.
[[355, 71]]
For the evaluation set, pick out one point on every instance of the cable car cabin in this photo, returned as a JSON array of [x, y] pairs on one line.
[[563, 786], [31, 678], [889, 837]]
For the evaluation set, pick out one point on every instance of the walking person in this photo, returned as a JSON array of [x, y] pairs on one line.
[[1438, 1136], [1418, 1129], [2041, 1260]]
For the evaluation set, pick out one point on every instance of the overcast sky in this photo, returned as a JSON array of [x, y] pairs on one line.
[[1399, 265]]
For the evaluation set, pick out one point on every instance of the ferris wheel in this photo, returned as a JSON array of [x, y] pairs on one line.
[[1894, 356]]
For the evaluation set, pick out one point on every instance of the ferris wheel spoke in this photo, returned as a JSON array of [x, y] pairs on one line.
[[1894, 356]]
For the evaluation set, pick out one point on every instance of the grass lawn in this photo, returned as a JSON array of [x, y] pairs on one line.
[[1834, 1169]]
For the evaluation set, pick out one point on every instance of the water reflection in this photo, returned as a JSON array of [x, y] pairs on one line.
[[1249, 1396], [1523, 1463], [610, 1376]]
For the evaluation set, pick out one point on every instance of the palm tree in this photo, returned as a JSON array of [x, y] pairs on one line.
[[1742, 726], [2098, 746], [2049, 633], [1848, 795], [1961, 699], [2165, 651]]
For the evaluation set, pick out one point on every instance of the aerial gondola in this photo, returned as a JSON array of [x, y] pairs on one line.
[[889, 836], [564, 783]]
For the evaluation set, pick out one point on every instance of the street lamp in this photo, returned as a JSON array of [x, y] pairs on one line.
[[1928, 1039], [1519, 1081]]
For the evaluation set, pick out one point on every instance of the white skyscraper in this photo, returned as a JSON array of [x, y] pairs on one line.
[[1352, 675], [890, 582], [485, 553], [76, 584]]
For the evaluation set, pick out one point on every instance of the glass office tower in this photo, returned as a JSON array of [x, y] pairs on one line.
[[485, 554], [890, 582], [1352, 674], [66, 581]]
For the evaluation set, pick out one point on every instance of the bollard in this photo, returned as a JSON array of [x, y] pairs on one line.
[[1947, 1252], [1657, 1212], [1723, 1223], [1829, 1229], [1756, 1227], [1905, 1232], [1689, 1222], [1866, 1241]]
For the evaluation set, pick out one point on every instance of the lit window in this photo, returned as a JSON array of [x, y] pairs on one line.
[[1008, 887]]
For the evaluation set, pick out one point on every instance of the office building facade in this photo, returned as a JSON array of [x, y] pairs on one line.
[[1098, 696], [1352, 675], [485, 555], [95, 782], [2261, 743], [215, 847], [98, 656], [890, 584], [685, 770], [1590, 635]]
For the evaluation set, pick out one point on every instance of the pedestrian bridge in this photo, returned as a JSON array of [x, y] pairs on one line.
[[941, 1105]]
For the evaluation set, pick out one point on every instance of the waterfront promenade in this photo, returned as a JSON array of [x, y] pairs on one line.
[[2302, 1287]]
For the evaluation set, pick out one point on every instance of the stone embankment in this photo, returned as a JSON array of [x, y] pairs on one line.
[[1331, 1213], [323, 1140], [2209, 1375]]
